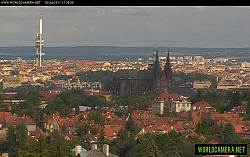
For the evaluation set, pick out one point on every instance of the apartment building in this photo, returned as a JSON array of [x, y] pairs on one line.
[[174, 102]]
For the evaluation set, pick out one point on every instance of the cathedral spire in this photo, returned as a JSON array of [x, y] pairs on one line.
[[154, 46], [168, 70], [137, 64], [156, 58], [157, 64]]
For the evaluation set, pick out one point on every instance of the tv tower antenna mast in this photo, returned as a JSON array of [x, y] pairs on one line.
[[39, 42]]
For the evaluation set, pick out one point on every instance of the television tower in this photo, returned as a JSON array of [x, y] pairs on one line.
[[39, 42]]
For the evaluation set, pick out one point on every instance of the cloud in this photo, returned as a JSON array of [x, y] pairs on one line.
[[196, 26]]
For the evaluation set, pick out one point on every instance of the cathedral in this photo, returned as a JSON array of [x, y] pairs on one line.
[[152, 79]]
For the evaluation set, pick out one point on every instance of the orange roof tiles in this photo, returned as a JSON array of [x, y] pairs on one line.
[[163, 96], [111, 131]]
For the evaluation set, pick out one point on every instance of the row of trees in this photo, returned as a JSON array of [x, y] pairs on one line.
[[89, 76], [130, 144], [19, 145], [224, 102], [67, 100], [180, 78]]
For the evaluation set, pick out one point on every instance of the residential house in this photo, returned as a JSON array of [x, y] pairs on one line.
[[94, 152], [201, 84], [91, 137], [14, 120], [188, 134], [37, 133], [202, 105], [226, 117], [161, 128], [174, 102], [111, 131], [217, 140], [50, 123], [242, 130]]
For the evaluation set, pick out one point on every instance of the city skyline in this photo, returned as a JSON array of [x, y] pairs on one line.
[[127, 26]]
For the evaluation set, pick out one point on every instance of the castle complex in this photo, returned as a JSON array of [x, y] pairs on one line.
[[153, 79]]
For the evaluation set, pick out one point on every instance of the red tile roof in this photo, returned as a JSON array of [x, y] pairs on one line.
[[203, 105], [111, 131], [217, 140], [165, 96], [48, 94]]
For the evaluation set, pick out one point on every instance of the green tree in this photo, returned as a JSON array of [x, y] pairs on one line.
[[22, 153], [101, 137], [33, 98], [153, 150], [205, 127], [22, 136], [166, 144], [40, 147], [130, 126], [12, 146], [230, 136], [97, 117], [56, 105], [58, 145], [91, 101]]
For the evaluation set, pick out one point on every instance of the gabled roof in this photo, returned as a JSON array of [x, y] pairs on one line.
[[48, 94], [202, 104], [189, 134], [93, 153], [49, 118], [165, 128], [142, 115], [133, 74], [233, 117], [69, 123], [91, 137], [37, 133], [111, 131], [217, 140], [29, 120], [238, 128], [195, 116], [110, 115], [166, 96], [185, 91]]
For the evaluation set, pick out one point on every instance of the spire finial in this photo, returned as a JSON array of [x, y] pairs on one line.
[[138, 63], [40, 12], [154, 46]]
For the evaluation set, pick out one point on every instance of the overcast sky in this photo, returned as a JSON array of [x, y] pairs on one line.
[[127, 26]]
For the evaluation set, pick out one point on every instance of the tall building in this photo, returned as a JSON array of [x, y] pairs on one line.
[[153, 79], [39, 42]]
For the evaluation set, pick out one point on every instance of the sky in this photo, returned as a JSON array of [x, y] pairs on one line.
[[168, 26]]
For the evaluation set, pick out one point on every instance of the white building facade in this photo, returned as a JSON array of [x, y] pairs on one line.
[[175, 104]]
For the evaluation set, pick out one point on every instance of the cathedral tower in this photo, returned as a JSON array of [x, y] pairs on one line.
[[168, 71], [162, 78]]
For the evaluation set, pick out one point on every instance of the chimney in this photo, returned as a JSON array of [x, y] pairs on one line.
[[93, 146], [5, 154], [106, 149], [171, 127], [78, 150]]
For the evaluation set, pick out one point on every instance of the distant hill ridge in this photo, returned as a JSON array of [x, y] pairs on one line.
[[113, 52]]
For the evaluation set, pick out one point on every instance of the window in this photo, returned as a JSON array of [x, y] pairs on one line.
[[169, 104], [187, 105]]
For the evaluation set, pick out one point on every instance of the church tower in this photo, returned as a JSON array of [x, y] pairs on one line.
[[168, 71], [162, 78]]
